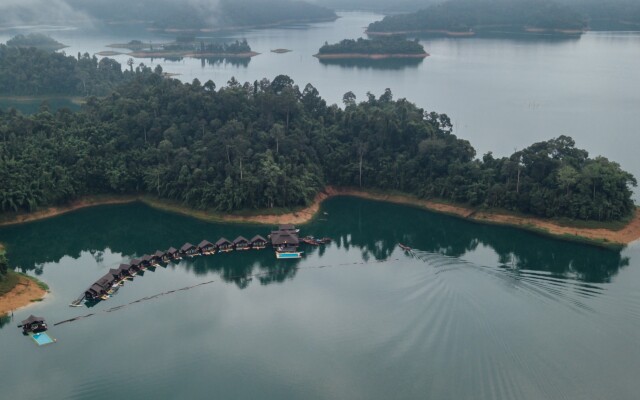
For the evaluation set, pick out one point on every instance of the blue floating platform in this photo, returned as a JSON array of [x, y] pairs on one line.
[[42, 338]]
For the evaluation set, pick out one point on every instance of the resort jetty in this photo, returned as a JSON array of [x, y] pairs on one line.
[[284, 240]]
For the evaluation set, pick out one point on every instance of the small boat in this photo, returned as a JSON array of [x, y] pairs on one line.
[[324, 240], [311, 240], [404, 247]]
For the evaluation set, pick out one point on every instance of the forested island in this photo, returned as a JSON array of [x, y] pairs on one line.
[[36, 40], [378, 48], [270, 144], [190, 47], [468, 17]]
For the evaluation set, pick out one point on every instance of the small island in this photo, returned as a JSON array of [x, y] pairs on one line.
[[188, 46], [460, 18], [374, 49], [36, 40], [280, 51]]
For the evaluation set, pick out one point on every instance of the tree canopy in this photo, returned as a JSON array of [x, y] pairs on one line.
[[271, 144], [31, 71], [384, 45]]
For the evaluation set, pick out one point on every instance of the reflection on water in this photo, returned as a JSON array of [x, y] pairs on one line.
[[373, 229], [5, 320], [517, 36], [389, 64], [474, 311], [208, 61], [455, 238], [218, 61]]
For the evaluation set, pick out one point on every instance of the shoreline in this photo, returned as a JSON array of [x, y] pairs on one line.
[[26, 292], [375, 56], [414, 32], [600, 236], [160, 54]]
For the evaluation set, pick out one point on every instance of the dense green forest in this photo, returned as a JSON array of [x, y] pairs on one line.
[[29, 71], [479, 15], [270, 144], [387, 45]]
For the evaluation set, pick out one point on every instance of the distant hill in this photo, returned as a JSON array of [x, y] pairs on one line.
[[37, 40], [612, 15], [163, 14], [201, 14], [470, 16]]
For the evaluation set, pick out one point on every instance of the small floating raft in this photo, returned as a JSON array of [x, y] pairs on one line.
[[404, 247], [42, 338]]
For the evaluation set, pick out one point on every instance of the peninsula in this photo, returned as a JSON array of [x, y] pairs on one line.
[[17, 290], [379, 48], [471, 17]]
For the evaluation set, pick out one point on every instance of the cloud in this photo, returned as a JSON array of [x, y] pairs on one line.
[[25, 12]]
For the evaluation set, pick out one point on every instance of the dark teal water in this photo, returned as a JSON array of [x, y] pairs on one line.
[[478, 312]]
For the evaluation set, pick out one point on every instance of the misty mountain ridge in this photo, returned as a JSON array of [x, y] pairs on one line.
[[162, 14]]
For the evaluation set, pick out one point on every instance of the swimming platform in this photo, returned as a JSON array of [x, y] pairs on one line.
[[42, 338]]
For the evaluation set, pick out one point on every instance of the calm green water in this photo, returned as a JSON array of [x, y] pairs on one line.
[[478, 312]]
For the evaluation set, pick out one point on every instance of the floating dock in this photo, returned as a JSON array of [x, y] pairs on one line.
[[42, 338], [285, 242]]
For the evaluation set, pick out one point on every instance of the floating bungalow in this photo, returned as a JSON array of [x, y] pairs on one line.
[[33, 324], [95, 292], [102, 287], [206, 247], [284, 238], [125, 269], [241, 243], [117, 274], [172, 254], [286, 242], [145, 261], [188, 249], [135, 265], [157, 258], [258, 242], [224, 245]]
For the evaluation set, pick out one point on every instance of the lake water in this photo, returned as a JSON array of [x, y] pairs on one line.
[[502, 93], [477, 312]]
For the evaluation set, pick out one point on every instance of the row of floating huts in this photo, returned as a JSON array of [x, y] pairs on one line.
[[107, 284], [284, 240]]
